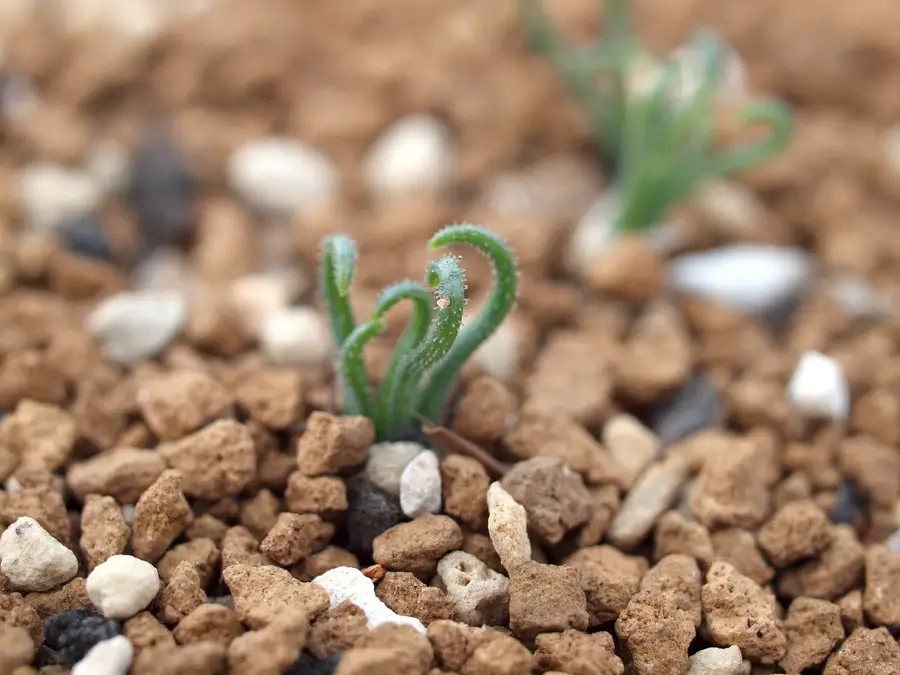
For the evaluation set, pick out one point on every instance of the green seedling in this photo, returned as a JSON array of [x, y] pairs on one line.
[[434, 345], [654, 119]]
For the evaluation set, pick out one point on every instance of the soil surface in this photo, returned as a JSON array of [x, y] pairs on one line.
[[630, 479]]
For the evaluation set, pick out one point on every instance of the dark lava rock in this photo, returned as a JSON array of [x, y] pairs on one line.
[[85, 236], [309, 665], [69, 636], [371, 511], [848, 504], [694, 406], [162, 189]]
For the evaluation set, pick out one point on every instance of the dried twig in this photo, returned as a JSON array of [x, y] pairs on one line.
[[453, 442]]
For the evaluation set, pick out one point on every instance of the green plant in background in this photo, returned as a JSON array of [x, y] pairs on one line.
[[432, 349], [654, 119]]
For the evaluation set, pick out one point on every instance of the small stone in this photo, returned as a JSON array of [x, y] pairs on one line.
[[162, 188], [465, 484], [136, 326], [296, 336], [202, 553], [609, 578], [479, 594], [217, 461], [337, 630], [750, 278], [201, 658], [181, 595], [813, 628], [418, 545], [282, 176], [110, 657], [818, 388], [731, 490], [415, 153], [554, 497], [631, 445], [387, 461], [881, 599], [838, 569], [737, 611], [295, 536], [796, 531], [121, 473], [270, 649], [716, 661], [738, 548], [420, 486], [545, 598], [209, 621], [144, 631], [485, 410], [41, 434], [573, 652], [406, 595], [178, 403], [122, 586], [346, 583], [868, 651], [371, 512], [16, 650], [676, 534], [848, 504], [160, 516], [264, 592], [72, 635], [325, 496], [692, 407], [85, 236], [332, 444], [51, 194], [508, 527], [104, 532], [629, 269], [32, 559]]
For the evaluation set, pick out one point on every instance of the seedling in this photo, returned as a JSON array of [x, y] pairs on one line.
[[654, 118], [434, 345]]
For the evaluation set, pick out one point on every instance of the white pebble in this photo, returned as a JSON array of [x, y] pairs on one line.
[[420, 486], [856, 297], [415, 153], [258, 295], [52, 195], [108, 163], [750, 278], [499, 356], [109, 657], [348, 583], [128, 513], [32, 559], [296, 336], [715, 661], [818, 388], [387, 461], [631, 444], [283, 176], [594, 233], [480, 595], [138, 325], [122, 586]]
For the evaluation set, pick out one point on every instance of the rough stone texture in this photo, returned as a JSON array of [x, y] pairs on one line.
[[715, 661], [264, 592], [465, 484], [545, 598], [417, 546], [508, 527], [731, 489], [175, 404], [123, 474], [407, 595], [738, 548], [868, 651], [574, 652], [104, 532], [676, 534], [181, 595], [161, 514], [554, 497], [215, 462], [881, 598], [210, 621], [332, 445], [16, 648], [736, 611], [32, 560], [71, 635], [271, 649], [480, 595], [839, 569], [295, 536], [40, 433], [122, 586], [325, 496], [202, 553], [796, 531], [200, 658], [813, 628], [609, 578], [144, 631]]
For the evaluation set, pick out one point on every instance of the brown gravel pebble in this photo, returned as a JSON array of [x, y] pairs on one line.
[[577, 653], [208, 622], [332, 444], [604, 505], [629, 270], [240, 547], [42, 503], [178, 403], [661, 620], [609, 579], [16, 647], [731, 489], [677, 534], [852, 613], [40, 433], [104, 532], [868, 651], [182, 594], [554, 497], [737, 611], [272, 397], [838, 570], [68, 597], [545, 598], [325, 496], [16, 612], [201, 553], [417, 546], [813, 628], [881, 598], [465, 483], [738, 548], [215, 462], [123, 474], [320, 562], [270, 650], [295, 536], [336, 630], [200, 658], [484, 411], [144, 631], [160, 516], [406, 595], [264, 592], [796, 531]]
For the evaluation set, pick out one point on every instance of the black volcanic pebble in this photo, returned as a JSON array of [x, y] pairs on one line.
[[371, 511], [309, 665], [162, 188], [848, 504], [71, 635], [694, 406], [85, 236]]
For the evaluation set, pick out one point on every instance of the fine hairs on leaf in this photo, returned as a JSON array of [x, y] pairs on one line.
[[434, 346], [654, 118]]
